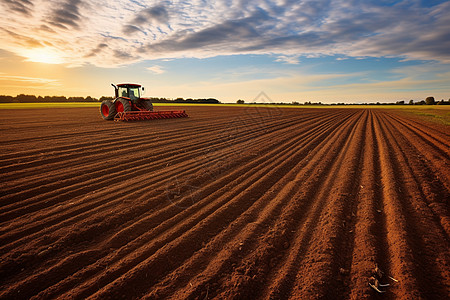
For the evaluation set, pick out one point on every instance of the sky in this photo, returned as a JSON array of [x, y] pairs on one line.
[[325, 51]]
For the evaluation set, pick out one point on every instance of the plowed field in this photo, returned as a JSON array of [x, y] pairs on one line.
[[231, 203]]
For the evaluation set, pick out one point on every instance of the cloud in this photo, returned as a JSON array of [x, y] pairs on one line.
[[25, 41], [10, 80], [156, 69], [144, 30], [24, 7], [130, 29], [66, 15], [288, 59], [208, 38], [156, 14]]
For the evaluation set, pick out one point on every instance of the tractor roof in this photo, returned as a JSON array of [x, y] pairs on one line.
[[126, 85]]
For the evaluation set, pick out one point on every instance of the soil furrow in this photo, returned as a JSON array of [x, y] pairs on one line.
[[226, 201], [65, 216], [399, 251], [367, 254], [242, 242], [428, 241], [49, 184], [232, 202], [322, 233], [228, 204]]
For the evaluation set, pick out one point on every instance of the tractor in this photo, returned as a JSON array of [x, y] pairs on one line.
[[129, 106]]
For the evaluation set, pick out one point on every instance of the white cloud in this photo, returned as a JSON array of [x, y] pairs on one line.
[[156, 69], [288, 59]]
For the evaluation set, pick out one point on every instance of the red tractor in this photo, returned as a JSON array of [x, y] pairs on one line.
[[129, 106]]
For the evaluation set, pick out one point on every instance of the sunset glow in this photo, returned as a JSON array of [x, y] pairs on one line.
[[42, 55]]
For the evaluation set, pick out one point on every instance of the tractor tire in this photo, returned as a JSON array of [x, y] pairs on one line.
[[147, 104], [108, 110], [122, 105]]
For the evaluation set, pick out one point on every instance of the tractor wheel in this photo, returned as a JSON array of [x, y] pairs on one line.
[[107, 110], [147, 104], [122, 105]]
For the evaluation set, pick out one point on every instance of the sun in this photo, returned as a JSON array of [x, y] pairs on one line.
[[42, 55]]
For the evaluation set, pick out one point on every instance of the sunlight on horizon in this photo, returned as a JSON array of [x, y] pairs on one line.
[[42, 55]]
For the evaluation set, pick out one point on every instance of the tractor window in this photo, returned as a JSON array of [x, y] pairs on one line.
[[123, 92], [134, 93]]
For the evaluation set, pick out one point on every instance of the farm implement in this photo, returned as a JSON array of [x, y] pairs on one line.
[[129, 106]]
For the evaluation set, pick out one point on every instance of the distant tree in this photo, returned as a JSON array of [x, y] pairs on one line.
[[411, 102], [421, 102], [26, 98], [102, 98], [55, 99], [429, 101], [6, 99], [75, 99], [160, 100], [400, 102], [240, 101]]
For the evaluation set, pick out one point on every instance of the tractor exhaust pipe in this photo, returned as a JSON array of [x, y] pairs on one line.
[[116, 90]]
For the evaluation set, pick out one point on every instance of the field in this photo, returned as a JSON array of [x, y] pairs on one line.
[[231, 203]]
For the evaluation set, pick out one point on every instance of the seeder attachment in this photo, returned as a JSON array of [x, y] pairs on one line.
[[149, 115]]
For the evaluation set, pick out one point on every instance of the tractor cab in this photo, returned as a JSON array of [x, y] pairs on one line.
[[128, 90]]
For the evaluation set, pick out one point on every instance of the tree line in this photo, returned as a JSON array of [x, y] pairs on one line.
[[428, 101], [188, 100], [22, 98]]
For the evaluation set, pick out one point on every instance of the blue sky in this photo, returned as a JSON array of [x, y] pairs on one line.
[[328, 51]]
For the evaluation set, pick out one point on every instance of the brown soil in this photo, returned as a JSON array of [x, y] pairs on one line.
[[231, 203]]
